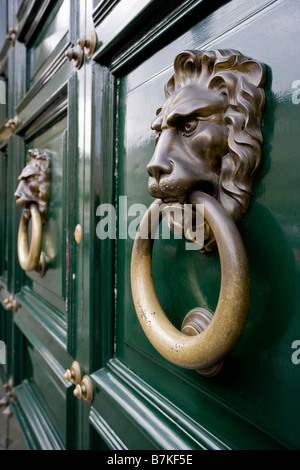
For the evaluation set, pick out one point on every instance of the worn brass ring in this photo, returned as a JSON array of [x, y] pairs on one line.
[[211, 346], [29, 258]]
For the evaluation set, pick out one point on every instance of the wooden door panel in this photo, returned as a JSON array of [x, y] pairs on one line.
[[51, 287], [49, 132], [51, 39], [44, 325], [248, 385], [42, 316]]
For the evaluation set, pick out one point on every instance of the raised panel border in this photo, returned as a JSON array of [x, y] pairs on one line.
[[144, 415], [102, 10], [146, 26], [47, 106], [52, 322], [34, 419], [30, 16]]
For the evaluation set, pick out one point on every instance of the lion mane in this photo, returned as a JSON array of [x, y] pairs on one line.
[[241, 80]]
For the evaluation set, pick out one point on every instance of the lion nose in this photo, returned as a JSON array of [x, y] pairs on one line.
[[157, 169], [161, 163]]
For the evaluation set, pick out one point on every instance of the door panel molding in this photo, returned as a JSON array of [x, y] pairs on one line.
[[142, 411], [30, 16], [102, 10], [51, 93], [35, 420], [140, 34], [52, 321], [108, 434]]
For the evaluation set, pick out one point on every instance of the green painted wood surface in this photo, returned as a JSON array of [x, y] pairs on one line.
[[96, 122], [259, 377], [42, 339]]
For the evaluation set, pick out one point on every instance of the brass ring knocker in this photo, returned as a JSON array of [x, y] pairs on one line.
[[30, 259], [219, 333]]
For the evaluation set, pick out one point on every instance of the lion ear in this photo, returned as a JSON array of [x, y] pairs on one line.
[[255, 72]]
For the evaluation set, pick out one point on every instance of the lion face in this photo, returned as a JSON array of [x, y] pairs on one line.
[[34, 184], [191, 140], [209, 130]]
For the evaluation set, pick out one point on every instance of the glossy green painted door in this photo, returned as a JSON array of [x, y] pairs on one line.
[[50, 328], [95, 122], [253, 403]]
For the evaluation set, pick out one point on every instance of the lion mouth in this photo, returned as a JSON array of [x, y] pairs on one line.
[[18, 199], [172, 200], [180, 194]]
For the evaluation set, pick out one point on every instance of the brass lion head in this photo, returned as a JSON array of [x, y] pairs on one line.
[[209, 129], [34, 183]]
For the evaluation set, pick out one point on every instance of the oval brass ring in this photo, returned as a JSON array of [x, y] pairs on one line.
[[29, 258], [212, 345]]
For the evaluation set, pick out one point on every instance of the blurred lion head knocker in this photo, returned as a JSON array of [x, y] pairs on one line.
[[209, 131], [34, 184]]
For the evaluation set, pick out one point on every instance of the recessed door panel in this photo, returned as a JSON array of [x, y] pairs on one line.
[[52, 37], [44, 321], [51, 287], [257, 374]]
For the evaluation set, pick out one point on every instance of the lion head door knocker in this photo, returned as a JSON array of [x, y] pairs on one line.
[[33, 194], [207, 149]]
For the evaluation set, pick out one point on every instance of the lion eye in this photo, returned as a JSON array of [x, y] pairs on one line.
[[188, 127], [34, 186]]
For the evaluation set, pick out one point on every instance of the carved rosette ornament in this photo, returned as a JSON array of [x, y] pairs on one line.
[[33, 194], [207, 151]]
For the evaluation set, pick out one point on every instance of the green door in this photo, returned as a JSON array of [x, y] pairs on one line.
[[143, 401], [46, 328], [93, 120]]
